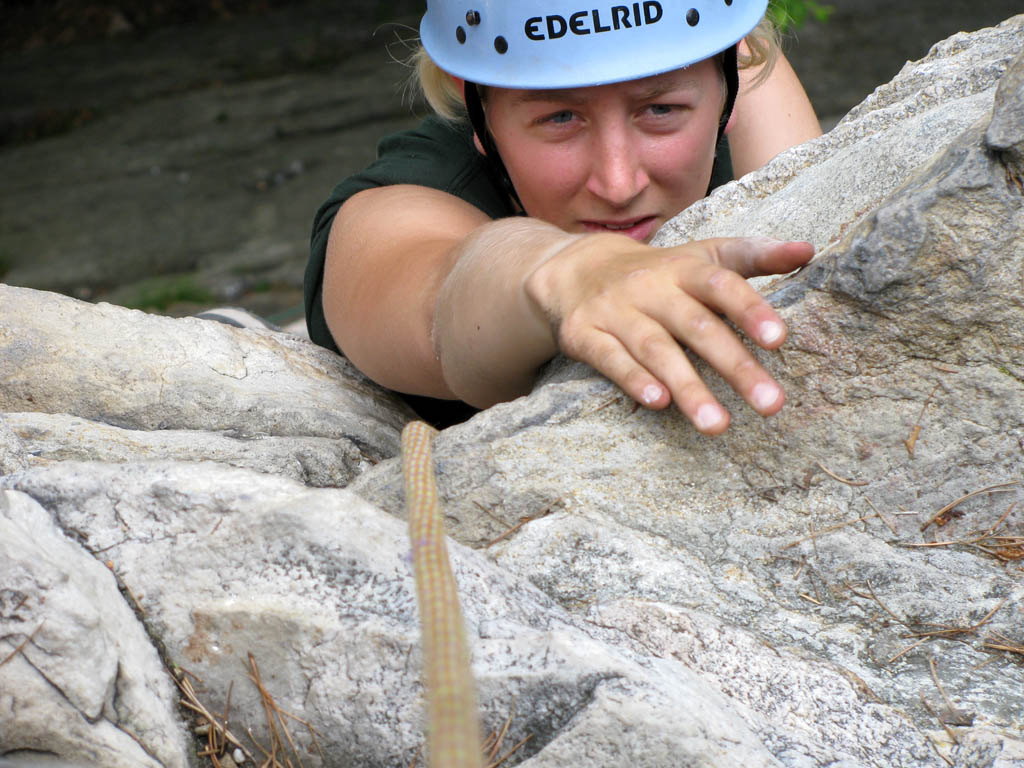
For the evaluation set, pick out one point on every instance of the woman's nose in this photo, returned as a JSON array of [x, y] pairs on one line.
[[617, 174]]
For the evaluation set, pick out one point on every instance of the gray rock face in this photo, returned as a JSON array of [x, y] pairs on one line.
[[319, 461], [1004, 132], [12, 450], [317, 586], [840, 585], [185, 388], [84, 679]]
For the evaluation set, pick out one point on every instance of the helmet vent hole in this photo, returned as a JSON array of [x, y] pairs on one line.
[[728, 2], [500, 44], [460, 34], [692, 17], [473, 17]]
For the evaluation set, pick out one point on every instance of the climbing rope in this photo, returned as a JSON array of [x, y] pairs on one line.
[[453, 735]]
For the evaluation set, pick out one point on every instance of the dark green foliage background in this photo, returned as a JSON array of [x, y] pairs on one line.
[[793, 13]]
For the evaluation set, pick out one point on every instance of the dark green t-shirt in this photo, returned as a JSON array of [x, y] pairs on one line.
[[439, 155]]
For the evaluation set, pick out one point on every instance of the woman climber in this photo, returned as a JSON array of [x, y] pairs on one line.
[[514, 223]]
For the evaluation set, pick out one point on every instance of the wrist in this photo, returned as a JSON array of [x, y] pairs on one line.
[[540, 284], [488, 336]]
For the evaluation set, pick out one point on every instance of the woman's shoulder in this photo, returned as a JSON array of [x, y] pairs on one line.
[[432, 136], [440, 154]]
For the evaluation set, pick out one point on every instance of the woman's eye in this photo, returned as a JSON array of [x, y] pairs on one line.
[[560, 118], [660, 109]]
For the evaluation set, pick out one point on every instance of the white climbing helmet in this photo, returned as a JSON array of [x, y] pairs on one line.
[[559, 44]]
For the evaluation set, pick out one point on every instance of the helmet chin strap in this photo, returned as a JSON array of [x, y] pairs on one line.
[[475, 108], [731, 70], [483, 135]]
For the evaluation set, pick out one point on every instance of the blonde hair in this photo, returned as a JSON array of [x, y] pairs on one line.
[[445, 98]]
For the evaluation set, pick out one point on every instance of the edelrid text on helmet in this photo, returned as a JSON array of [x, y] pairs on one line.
[[594, 21], [559, 44]]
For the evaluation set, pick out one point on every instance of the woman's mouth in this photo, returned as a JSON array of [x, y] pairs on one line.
[[641, 229]]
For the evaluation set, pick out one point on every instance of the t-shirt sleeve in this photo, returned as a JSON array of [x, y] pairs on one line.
[[313, 283]]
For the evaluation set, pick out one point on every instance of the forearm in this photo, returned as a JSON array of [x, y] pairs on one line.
[[489, 336]]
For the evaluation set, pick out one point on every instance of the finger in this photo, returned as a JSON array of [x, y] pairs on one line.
[[606, 354], [755, 256], [724, 291], [707, 336], [669, 318], [651, 345]]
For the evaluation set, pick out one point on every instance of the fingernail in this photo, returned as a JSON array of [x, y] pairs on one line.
[[708, 416], [765, 395], [770, 331], [650, 394]]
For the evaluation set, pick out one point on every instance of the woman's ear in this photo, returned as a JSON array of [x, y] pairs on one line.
[[729, 123]]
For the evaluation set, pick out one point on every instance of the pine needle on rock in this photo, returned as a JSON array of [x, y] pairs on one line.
[[277, 725], [941, 517]]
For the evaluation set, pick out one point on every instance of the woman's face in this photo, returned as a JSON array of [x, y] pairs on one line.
[[624, 157]]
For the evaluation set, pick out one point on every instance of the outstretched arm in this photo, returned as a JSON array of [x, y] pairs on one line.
[[770, 115], [627, 310], [428, 296]]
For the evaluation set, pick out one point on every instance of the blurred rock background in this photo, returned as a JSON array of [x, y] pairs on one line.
[[170, 155]]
